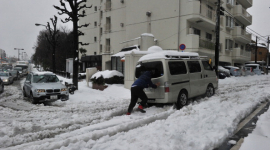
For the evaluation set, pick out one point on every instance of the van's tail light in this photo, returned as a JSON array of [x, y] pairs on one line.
[[166, 87]]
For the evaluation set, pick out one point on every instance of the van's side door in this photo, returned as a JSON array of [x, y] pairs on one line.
[[196, 78]]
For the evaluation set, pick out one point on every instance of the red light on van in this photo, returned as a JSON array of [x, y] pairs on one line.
[[166, 87]]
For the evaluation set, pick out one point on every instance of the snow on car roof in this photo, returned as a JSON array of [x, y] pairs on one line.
[[252, 64], [43, 73], [163, 54]]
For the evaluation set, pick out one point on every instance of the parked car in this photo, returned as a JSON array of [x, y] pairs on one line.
[[254, 68], [15, 74], [234, 71], [6, 77], [1, 86], [223, 70], [182, 76], [44, 87]]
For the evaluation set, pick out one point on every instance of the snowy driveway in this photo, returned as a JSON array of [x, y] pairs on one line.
[[94, 119]]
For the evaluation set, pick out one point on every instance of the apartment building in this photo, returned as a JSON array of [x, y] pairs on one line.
[[117, 25]]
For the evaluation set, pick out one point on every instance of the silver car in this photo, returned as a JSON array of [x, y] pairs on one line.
[[44, 87], [6, 77]]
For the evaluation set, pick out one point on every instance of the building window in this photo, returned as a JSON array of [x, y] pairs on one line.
[[101, 14], [229, 21], [230, 2], [209, 36], [260, 53], [95, 39], [101, 31], [242, 47], [95, 8], [95, 23], [108, 45], [229, 44], [197, 31], [100, 47], [235, 45]]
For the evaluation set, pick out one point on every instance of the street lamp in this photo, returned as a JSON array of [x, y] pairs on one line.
[[52, 38], [18, 52]]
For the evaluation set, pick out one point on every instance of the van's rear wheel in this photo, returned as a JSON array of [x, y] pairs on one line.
[[182, 100], [210, 91]]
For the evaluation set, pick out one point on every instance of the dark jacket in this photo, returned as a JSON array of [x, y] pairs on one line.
[[144, 81]]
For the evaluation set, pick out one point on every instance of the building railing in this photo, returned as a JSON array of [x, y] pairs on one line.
[[107, 49], [108, 6], [208, 12], [107, 27], [206, 44]]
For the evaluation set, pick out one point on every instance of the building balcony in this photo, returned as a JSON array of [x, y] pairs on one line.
[[202, 46], [107, 27], [108, 6], [242, 15], [241, 55], [246, 3], [241, 35], [202, 15], [107, 48]]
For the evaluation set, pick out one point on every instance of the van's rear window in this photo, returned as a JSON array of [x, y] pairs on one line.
[[155, 67]]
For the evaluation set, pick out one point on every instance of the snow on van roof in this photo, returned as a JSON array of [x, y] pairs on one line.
[[43, 72], [163, 54]]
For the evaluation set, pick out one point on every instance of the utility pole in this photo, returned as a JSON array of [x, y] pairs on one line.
[[256, 47], [267, 59], [217, 38]]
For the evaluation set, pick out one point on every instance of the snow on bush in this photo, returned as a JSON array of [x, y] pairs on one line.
[[107, 74]]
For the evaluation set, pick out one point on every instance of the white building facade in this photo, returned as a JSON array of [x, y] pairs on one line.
[[117, 25]]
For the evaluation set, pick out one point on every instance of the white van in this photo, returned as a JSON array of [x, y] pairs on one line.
[[255, 68], [182, 76]]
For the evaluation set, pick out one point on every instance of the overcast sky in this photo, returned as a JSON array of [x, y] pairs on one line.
[[18, 18], [17, 23]]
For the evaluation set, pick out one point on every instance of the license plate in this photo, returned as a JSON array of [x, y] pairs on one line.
[[53, 97]]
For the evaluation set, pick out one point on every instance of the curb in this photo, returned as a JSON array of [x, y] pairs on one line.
[[245, 127]]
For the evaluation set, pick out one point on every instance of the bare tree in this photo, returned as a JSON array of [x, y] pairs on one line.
[[73, 15]]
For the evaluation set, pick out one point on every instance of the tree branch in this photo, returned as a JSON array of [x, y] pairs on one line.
[[85, 25], [82, 44]]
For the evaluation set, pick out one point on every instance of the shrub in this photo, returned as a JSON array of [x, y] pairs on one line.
[[100, 80], [115, 80]]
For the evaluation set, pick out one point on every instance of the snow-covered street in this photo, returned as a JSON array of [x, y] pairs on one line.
[[94, 119]]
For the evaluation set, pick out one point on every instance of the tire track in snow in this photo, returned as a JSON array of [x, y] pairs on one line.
[[94, 132]]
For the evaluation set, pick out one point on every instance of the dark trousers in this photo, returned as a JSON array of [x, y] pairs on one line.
[[137, 92]]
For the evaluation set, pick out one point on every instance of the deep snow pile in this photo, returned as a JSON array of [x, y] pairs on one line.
[[94, 119]]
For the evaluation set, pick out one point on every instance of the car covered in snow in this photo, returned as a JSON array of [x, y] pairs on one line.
[[44, 87], [234, 71]]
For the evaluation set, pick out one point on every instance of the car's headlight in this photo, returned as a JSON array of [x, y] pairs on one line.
[[5, 80], [64, 89], [40, 90]]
